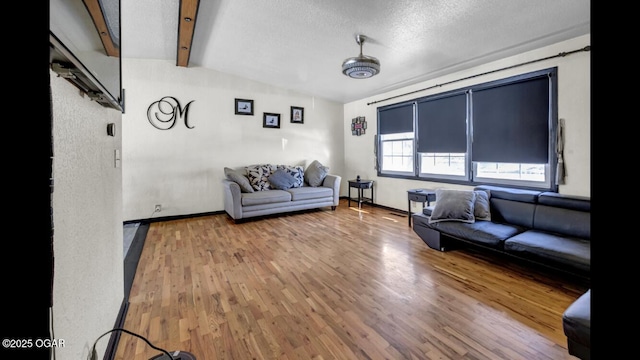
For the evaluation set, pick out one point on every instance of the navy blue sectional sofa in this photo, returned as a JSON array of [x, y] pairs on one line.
[[546, 228]]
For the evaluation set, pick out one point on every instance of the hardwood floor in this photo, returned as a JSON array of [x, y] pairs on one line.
[[343, 284]]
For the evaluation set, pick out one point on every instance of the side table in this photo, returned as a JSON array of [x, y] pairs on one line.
[[361, 185], [420, 195]]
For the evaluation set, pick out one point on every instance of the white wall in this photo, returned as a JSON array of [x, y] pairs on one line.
[[88, 285], [574, 103], [181, 168]]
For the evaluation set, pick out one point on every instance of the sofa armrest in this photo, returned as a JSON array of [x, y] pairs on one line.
[[576, 324], [333, 182], [232, 199]]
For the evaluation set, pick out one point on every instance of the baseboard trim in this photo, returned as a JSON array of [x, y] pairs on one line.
[[394, 210], [219, 212], [174, 217]]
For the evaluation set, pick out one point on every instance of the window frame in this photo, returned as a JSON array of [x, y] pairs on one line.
[[470, 177], [379, 141], [413, 158]]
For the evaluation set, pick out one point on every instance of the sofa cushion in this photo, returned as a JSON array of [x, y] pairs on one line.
[[453, 205], [580, 203], [259, 176], [563, 221], [315, 173], [265, 197], [310, 192], [281, 180], [486, 233], [521, 195], [512, 212], [296, 171], [239, 178], [512, 206], [546, 247]]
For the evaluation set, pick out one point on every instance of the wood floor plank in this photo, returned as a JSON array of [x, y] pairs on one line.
[[345, 284]]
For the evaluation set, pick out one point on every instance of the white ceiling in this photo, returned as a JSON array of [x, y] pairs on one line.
[[301, 44]]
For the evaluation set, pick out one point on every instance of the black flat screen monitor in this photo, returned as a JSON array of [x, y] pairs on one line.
[[76, 43]]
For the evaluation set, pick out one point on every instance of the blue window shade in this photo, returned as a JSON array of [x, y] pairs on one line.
[[396, 119], [511, 122], [442, 125]]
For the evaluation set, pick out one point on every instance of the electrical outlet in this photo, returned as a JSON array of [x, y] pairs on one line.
[[158, 208]]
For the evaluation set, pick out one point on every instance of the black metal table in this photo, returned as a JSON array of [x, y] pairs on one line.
[[361, 185], [420, 195]]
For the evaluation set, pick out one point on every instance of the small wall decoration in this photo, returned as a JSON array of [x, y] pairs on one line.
[[164, 113], [297, 115], [271, 120], [358, 126], [244, 107]]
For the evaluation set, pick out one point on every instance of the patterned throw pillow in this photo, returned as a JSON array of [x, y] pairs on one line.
[[296, 171], [259, 176]]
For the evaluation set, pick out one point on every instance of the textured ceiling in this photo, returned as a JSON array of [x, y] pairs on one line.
[[300, 44]]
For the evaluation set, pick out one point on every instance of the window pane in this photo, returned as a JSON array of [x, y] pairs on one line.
[[510, 171], [397, 156], [443, 163]]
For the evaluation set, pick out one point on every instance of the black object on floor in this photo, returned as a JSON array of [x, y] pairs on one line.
[[133, 256], [176, 355]]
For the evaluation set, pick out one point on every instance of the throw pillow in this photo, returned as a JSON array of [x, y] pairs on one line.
[[296, 171], [240, 178], [315, 173], [481, 208], [259, 176], [282, 180], [454, 205]]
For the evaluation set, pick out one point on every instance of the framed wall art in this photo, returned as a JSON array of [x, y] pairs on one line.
[[271, 120], [358, 126], [297, 115], [244, 107]]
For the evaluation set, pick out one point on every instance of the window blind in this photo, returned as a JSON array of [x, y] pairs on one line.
[[511, 122], [396, 119], [442, 125]]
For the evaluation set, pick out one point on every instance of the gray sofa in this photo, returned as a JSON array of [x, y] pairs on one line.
[[314, 188], [546, 228]]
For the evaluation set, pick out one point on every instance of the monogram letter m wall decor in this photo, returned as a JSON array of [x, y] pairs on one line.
[[164, 113]]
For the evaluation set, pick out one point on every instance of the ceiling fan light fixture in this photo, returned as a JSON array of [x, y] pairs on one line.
[[361, 66]]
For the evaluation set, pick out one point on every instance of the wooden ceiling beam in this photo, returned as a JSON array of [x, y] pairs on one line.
[[95, 10], [186, 29]]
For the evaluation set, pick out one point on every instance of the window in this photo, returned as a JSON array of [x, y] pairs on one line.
[[500, 132], [397, 153], [442, 136], [512, 130], [395, 126]]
